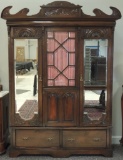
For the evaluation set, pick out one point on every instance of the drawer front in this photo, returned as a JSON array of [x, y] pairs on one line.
[[36, 138], [84, 138]]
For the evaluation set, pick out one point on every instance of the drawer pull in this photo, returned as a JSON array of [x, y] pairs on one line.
[[96, 139], [71, 139], [50, 139], [25, 138]]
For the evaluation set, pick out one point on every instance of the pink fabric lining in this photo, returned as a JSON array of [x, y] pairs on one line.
[[61, 58]]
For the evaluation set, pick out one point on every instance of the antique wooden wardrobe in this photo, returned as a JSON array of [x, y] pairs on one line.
[[72, 55]]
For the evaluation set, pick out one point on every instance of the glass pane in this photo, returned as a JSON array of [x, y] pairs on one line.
[[50, 34], [69, 45], [95, 102], [61, 36], [52, 72], [71, 82], [72, 34], [72, 59], [52, 45], [61, 81], [69, 72], [50, 59], [95, 61], [26, 75], [61, 59]]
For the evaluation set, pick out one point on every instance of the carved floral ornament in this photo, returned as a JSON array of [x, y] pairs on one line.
[[30, 32], [60, 9], [32, 122]]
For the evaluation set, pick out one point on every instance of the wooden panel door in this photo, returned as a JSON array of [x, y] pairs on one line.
[[60, 107], [60, 81]]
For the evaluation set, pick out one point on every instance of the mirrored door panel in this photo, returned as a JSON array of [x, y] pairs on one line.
[[95, 61], [26, 75], [95, 103]]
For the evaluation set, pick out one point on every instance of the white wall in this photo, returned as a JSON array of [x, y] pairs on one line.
[[88, 6]]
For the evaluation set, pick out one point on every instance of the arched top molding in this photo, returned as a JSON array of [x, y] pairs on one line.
[[59, 10]]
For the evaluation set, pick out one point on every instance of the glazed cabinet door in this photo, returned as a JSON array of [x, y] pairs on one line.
[[60, 81], [97, 84], [24, 49]]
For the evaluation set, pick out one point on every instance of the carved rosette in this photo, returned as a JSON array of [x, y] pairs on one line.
[[97, 33], [18, 121], [26, 32]]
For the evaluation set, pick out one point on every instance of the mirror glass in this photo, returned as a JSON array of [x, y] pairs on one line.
[[95, 61], [95, 102], [26, 75]]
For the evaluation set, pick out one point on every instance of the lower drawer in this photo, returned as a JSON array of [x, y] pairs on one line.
[[36, 138], [84, 138]]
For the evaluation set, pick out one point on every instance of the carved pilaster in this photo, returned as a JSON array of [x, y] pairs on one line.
[[79, 33]]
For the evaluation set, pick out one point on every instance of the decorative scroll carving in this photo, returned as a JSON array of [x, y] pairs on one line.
[[22, 12], [26, 32], [88, 121], [96, 33], [21, 122], [56, 95], [115, 13], [60, 9]]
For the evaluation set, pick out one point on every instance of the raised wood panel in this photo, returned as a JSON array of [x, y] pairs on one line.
[[36, 138], [53, 103], [84, 138], [68, 106], [60, 107]]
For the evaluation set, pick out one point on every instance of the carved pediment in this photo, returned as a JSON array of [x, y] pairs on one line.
[[62, 10], [63, 4]]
